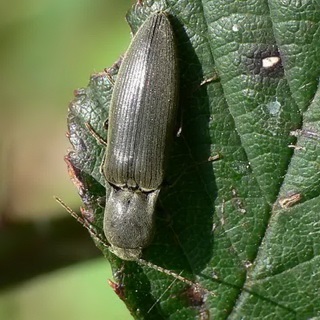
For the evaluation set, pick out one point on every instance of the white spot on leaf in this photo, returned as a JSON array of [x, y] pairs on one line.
[[235, 28], [274, 107], [270, 62]]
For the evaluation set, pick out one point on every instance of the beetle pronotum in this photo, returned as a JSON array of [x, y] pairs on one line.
[[141, 124]]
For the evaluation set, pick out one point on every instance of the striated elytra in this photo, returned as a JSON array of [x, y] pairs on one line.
[[141, 126]]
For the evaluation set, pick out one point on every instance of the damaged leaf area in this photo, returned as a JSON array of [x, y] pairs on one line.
[[238, 213]]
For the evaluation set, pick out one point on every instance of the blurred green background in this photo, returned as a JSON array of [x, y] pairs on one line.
[[48, 49]]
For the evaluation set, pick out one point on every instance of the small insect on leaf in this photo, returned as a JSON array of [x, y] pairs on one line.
[[141, 126]]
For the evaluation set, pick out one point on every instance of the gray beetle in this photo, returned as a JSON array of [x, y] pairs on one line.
[[141, 125]]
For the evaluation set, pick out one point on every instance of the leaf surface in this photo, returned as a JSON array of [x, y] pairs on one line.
[[245, 226]]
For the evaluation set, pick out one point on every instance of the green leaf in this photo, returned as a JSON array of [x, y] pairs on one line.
[[245, 226]]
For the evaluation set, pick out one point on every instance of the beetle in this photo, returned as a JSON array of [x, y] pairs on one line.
[[141, 125]]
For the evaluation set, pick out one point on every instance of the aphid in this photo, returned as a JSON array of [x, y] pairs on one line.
[[141, 124]]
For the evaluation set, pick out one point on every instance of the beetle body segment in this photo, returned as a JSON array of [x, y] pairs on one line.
[[142, 119]]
